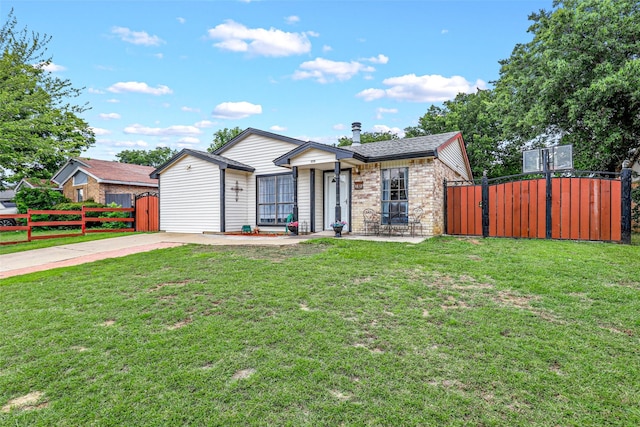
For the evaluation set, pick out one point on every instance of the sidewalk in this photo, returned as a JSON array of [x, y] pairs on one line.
[[79, 253]]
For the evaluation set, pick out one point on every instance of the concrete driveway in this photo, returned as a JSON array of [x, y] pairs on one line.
[[78, 253]]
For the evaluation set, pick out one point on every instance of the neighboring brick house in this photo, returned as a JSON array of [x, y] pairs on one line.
[[104, 181], [36, 183], [259, 178]]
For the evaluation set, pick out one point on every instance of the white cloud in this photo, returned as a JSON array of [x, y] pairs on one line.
[[203, 124], [113, 101], [109, 116], [95, 91], [236, 110], [292, 19], [277, 128], [380, 59], [181, 20], [236, 37], [136, 37], [385, 128], [327, 48], [324, 70], [158, 55], [189, 140], [381, 111], [176, 130], [190, 110], [139, 87], [444, 31], [427, 88], [51, 67], [138, 143], [100, 131]]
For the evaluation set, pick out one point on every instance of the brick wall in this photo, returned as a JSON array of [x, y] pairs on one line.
[[96, 191], [426, 191]]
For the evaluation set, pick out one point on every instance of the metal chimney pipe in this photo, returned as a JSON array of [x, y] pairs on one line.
[[355, 128]]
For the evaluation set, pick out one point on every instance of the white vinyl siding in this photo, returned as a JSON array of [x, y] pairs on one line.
[[236, 212], [304, 200], [258, 152], [319, 187], [190, 197], [452, 156], [312, 157]]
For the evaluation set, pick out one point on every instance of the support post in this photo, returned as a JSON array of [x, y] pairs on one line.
[[336, 173], [485, 205], [222, 200], [295, 193], [625, 177], [312, 202]]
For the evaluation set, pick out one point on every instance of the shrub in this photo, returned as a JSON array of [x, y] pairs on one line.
[[38, 199], [635, 207]]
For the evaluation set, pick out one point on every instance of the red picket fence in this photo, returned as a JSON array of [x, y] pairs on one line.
[[575, 208], [81, 222]]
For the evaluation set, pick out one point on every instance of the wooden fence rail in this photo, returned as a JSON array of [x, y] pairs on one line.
[[81, 222]]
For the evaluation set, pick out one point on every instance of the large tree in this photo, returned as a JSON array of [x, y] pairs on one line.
[[577, 80], [222, 136], [155, 157], [366, 137], [475, 115], [39, 128]]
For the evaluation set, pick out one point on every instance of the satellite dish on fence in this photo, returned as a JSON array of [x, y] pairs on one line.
[[559, 157]]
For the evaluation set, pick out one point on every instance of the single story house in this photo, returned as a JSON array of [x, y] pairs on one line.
[[104, 181], [259, 178]]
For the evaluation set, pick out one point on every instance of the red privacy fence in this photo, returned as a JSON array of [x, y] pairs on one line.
[[592, 207]]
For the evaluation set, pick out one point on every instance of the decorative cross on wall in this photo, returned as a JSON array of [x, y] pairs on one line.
[[237, 189]]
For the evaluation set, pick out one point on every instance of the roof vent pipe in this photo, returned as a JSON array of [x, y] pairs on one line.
[[355, 128]]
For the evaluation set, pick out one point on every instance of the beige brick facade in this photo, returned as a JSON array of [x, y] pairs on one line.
[[426, 191]]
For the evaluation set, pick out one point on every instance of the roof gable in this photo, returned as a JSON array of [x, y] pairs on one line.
[[251, 131], [339, 152], [222, 162], [406, 148]]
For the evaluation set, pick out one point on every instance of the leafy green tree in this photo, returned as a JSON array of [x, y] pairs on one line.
[[222, 136], [366, 137], [155, 157], [39, 129], [38, 199], [475, 115], [577, 80]]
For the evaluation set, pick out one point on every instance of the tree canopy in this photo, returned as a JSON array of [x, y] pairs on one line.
[[366, 137], [222, 136], [577, 80], [39, 129], [155, 157]]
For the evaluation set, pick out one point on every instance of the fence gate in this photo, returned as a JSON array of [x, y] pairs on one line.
[[575, 208], [147, 212]]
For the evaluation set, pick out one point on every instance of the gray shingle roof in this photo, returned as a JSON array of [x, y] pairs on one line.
[[402, 148]]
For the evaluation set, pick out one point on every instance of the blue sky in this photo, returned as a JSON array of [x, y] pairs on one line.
[[171, 73]]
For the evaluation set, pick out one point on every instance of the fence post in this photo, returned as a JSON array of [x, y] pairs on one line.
[[625, 177], [446, 228], [549, 193], [84, 220], [29, 225], [485, 205]]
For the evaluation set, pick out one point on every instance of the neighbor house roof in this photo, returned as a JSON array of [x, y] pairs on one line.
[[7, 195], [407, 148], [222, 162], [108, 172], [36, 183]]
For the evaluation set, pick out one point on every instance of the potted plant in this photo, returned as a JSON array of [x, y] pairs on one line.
[[293, 227], [338, 226]]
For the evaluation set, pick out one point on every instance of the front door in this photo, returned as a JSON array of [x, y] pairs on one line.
[[330, 198]]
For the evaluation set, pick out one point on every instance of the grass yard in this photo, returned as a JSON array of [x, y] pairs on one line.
[[332, 332]]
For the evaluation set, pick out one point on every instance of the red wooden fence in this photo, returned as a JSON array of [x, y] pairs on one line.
[[580, 209]]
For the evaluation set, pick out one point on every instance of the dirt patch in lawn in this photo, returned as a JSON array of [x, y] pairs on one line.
[[271, 253], [25, 403]]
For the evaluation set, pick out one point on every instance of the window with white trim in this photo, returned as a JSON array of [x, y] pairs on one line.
[[395, 195], [275, 199]]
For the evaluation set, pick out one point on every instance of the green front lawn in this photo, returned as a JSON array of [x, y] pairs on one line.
[[333, 332]]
